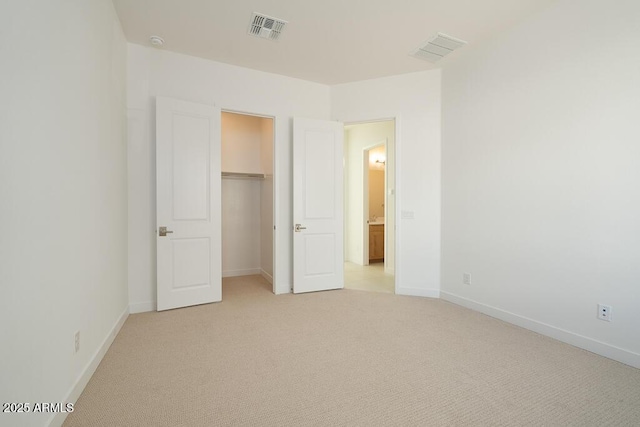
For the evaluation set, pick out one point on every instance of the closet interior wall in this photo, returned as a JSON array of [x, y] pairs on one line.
[[247, 203]]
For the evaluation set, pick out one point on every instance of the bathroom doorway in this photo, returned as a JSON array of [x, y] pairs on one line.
[[369, 188]]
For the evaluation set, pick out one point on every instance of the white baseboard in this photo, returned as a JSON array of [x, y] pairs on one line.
[[76, 390], [267, 276], [418, 292], [142, 307], [244, 272], [607, 350]]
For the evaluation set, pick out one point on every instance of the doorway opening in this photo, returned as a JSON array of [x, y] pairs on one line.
[[247, 164], [369, 206]]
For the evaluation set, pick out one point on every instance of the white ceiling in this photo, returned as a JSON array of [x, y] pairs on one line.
[[326, 41]]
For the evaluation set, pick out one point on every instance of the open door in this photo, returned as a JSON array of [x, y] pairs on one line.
[[188, 204], [318, 260]]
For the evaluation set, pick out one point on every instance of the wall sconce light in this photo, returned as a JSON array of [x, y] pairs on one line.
[[377, 161]]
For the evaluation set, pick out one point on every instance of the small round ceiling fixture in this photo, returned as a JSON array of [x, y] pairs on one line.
[[156, 41]]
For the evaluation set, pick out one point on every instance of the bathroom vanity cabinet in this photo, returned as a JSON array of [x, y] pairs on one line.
[[376, 242]]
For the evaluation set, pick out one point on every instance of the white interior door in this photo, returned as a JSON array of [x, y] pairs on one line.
[[318, 259], [188, 203]]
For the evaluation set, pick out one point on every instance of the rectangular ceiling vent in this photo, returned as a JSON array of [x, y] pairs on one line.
[[437, 47], [266, 27]]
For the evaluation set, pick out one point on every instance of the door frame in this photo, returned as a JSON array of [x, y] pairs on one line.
[[275, 207], [397, 120]]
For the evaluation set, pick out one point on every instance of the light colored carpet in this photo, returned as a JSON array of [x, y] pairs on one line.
[[347, 358]]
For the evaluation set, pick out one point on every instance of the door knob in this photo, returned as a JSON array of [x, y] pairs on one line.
[[162, 231], [298, 228]]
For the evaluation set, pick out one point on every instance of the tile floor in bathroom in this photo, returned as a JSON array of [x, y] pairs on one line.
[[368, 277]]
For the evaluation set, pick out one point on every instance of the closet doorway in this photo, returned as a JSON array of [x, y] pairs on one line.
[[369, 189], [247, 165]]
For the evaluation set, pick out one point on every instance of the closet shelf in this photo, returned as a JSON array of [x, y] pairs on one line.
[[243, 175]]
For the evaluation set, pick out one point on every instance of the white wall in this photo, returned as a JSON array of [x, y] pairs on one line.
[[241, 149], [154, 72], [247, 220], [414, 99], [240, 227], [541, 176], [63, 215], [241, 143]]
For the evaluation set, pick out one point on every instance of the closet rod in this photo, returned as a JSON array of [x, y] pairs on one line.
[[242, 175]]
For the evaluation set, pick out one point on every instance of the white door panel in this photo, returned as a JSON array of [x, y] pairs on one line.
[[188, 203], [191, 160], [317, 205]]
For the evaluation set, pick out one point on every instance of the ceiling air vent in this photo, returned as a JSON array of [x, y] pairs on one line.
[[437, 47], [266, 27]]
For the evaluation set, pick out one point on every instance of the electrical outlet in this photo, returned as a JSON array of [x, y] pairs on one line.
[[77, 340], [604, 312], [466, 278]]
